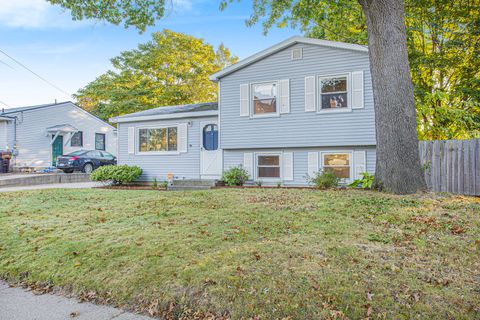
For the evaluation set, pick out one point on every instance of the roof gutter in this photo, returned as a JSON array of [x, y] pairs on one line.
[[178, 115]]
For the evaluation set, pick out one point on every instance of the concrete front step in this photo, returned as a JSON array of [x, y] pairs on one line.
[[13, 180]]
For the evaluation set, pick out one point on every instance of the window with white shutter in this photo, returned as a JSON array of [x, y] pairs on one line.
[[360, 163], [244, 100], [312, 164], [248, 164], [284, 95], [288, 166], [357, 90], [310, 100], [182, 137]]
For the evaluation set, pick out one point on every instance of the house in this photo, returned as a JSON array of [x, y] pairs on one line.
[[296, 108], [37, 135]]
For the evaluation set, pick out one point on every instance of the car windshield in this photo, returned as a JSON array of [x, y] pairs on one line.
[[76, 153]]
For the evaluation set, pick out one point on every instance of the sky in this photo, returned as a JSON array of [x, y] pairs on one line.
[[69, 54]]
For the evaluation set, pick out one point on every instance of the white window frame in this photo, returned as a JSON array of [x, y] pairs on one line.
[[153, 153], [252, 104], [348, 75], [336, 152], [280, 164]]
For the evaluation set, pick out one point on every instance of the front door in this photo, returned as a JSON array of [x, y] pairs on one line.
[[210, 154], [57, 149]]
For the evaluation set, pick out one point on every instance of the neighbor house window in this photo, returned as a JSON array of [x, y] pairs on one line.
[[99, 141], [77, 139], [268, 166], [333, 92], [157, 139], [264, 97], [338, 163]]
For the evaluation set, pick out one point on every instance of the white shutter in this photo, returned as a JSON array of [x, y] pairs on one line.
[[248, 164], [284, 96], [310, 90], [244, 101], [182, 137], [360, 163], [287, 166], [357, 90], [312, 164], [131, 140]]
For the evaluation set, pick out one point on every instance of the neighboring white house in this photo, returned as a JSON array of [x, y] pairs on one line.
[[37, 135], [296, 108]]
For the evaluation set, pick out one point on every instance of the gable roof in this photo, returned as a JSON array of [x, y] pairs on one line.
[[10, 111], [180, 111], [39, 106], [282, 45]]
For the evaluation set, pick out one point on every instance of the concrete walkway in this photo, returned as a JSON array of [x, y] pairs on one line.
[[73, 185], [20, 304]]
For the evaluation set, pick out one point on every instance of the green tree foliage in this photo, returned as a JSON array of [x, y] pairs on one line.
[[171, 69], [137, 13], [443, 46]]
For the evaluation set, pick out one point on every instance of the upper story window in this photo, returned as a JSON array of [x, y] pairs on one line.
[[77, 139], [264, 96], [157, 139], [333, 92]]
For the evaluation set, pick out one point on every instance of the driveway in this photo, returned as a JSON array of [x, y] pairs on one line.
[[73, 185], [20, 304]]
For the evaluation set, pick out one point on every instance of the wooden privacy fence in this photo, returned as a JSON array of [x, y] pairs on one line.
[[452, 165]]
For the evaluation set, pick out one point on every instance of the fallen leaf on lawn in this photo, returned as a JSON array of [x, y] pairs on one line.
[[370, 295], [77, 263], [456, 229]]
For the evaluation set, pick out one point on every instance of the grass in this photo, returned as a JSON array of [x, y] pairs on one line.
[[246, 253]]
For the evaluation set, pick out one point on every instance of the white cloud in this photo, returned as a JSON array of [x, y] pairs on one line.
[[34, 14], [23, 13]]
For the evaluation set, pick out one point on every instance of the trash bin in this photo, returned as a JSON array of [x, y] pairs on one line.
[[5, 157]]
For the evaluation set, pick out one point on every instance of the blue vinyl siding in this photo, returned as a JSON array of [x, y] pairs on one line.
[[297, 128], [234, 158], [183, 166]]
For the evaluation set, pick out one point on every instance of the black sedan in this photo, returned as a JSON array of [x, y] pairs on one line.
[[84, 160]]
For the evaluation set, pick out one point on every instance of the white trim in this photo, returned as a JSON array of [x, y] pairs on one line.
[[202, 149], [252, 104], [309, 108], [318, 91], [178, 115], [360, 90], [154, 153], [282, 45], [280, 163], [351, 164]]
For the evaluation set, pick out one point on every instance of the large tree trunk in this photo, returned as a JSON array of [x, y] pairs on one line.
[[398, 168]]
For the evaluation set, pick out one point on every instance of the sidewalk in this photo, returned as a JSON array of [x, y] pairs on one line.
[[20, 304], [73, 185]]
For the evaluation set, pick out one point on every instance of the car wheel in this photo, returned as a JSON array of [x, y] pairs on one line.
[[88, 168], [68, 170]]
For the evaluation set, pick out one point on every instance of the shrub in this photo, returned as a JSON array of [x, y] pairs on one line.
[[117, 175], [235, 176], [365, 182], [324, 180]]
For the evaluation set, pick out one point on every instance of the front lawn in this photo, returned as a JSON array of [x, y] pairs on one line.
[[271, 253]]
